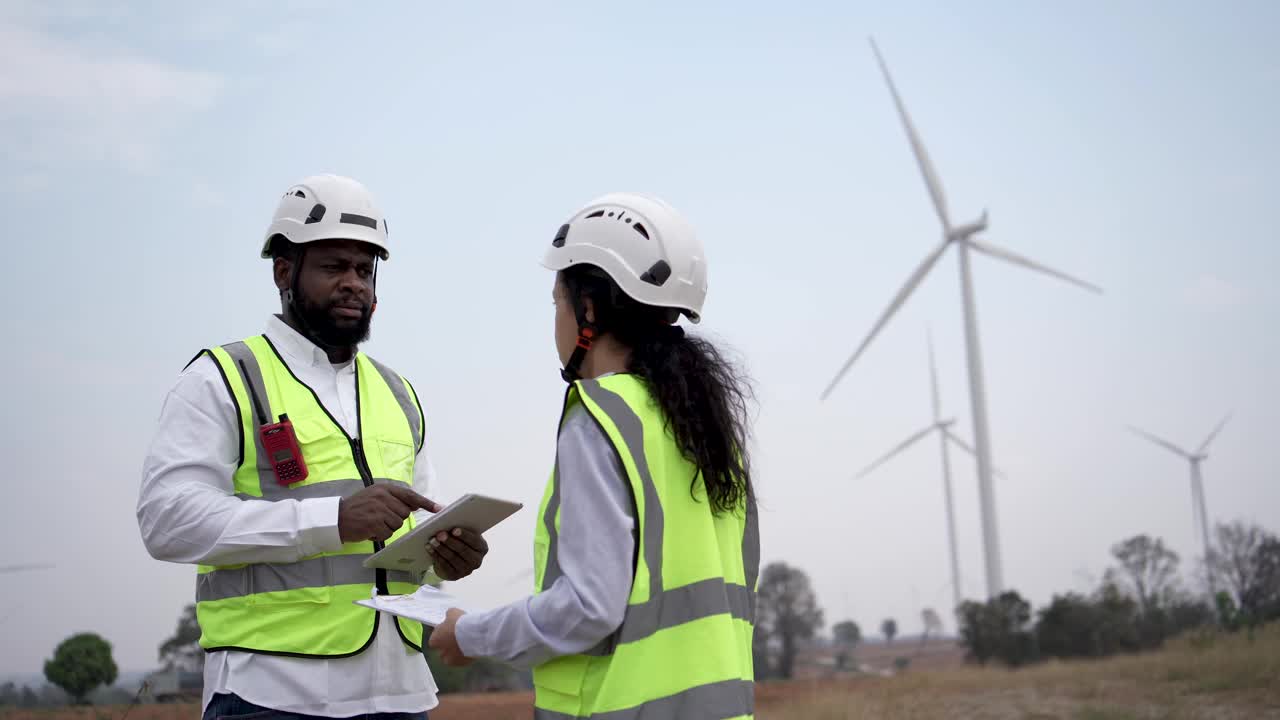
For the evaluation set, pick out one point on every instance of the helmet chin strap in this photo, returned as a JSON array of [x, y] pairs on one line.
[[572, 369], [587, 334]]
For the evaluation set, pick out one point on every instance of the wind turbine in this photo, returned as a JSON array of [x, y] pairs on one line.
[[19, 568], [945, 435], [962, 236], [1200, 513]]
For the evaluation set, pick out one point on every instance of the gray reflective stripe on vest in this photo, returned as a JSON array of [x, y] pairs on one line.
[[272, 577], [714, 701], [677, 606], [412, 412], [330, 488], [632, 429], [751, 556], [551, 567], [245, 361]]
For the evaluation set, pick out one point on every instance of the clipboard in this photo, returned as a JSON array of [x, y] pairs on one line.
[[472, 512]]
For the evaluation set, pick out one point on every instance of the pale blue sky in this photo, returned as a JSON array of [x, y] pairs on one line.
[[142, 149]]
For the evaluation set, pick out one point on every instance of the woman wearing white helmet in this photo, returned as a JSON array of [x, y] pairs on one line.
[[646, 550]]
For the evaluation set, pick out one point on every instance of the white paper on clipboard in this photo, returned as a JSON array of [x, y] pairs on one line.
[[428, 605]]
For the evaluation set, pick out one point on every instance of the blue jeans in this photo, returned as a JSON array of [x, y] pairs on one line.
[[232, 707]]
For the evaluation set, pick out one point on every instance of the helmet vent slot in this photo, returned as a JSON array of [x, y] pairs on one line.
[[658, 274], [561, 234]]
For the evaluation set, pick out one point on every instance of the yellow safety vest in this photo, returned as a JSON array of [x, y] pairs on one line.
[[684, 648], [306, 608]]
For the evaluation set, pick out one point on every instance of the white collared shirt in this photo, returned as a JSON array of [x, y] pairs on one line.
[[188, 513]]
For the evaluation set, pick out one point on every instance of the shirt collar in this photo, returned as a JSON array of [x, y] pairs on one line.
[[294, 345]]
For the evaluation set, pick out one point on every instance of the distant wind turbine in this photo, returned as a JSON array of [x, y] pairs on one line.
[[945, 435], [1199, 512], [962, 237], [10, 613], [19, 568]]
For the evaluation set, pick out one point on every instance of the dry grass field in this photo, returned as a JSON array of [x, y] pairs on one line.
[[1208, 677]]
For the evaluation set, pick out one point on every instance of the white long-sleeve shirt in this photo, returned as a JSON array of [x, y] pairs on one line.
[[595, 553], [188, 513]]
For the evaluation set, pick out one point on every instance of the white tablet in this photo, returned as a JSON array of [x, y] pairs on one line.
[[472, 512]]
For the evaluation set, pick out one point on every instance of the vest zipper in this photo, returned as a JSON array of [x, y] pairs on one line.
[[362, 466], [366, 476]]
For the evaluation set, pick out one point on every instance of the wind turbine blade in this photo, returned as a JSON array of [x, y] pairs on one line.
[[933, 381], [1016, 259], [901, 446], [967, 448], [1160, 441], [917, 146], [19, 568], [905, 292], [1214, 434]]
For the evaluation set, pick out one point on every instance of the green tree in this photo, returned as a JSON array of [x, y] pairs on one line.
[[182, 649], [889, 628], [1076, 626], [1187, 613], [1229, 616], [997, 630], [81, 663], [932, 624], [1246, 559], [1150, 570], [1264, 595], [787, 612], [1068, 627], [847, 635]]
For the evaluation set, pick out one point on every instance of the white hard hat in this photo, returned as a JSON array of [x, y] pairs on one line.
[[328, 207], [643, 244]]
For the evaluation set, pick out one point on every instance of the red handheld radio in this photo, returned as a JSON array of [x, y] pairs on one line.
[[279, 443]]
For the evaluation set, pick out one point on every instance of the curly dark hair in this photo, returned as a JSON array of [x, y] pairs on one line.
[[703, 396]]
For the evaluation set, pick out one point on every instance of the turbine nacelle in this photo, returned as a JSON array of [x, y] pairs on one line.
[[962, 232]]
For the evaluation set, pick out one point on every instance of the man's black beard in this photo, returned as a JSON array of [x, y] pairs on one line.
[[320, 321]]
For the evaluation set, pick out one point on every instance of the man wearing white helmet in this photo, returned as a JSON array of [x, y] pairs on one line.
[[647, 549], [279, 463]]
